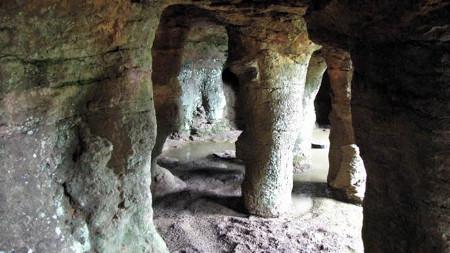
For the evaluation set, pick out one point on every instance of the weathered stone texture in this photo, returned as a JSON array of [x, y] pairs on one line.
[[272, 81], [340, 73], [281, 47], [77, 126], [351, 178], [403, 135], [164, 182], [302, 148], [76, 100], [204, 95], [167, 52], [400, 112]]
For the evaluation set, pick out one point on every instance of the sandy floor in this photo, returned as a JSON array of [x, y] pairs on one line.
[[207, 216]]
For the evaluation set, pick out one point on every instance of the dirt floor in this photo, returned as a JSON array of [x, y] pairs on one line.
[[207, 214]]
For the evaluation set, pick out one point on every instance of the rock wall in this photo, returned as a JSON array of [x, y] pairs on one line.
[[77, 126], [400, 112], [205, 99], [406, 123], [77, 122]]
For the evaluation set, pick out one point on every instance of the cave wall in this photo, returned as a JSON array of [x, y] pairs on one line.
[[406, 123], [400, 111], [77, 126], [77, 122], [205, 98]]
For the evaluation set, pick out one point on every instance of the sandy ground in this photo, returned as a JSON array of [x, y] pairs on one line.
[[208, 215]]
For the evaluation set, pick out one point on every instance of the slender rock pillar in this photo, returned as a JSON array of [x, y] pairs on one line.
[[271, 69], [346, 173], [302, 149]]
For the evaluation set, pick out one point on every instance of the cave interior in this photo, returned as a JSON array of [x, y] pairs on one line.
[[92, 91]]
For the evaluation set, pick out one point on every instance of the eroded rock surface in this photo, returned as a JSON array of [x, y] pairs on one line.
[[400, 104], [77, 126], [302, 148], [270, 65], [340, 73], [164, 182], [204, 98], [351, 178], [76, 78], [272, 78]]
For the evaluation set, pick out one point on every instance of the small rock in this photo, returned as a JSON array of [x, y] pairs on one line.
[[164, 182], [227, 154]]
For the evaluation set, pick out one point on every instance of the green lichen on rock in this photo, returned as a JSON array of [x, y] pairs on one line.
[[302, 148], [77, 118], [271, 90], [203, 95]]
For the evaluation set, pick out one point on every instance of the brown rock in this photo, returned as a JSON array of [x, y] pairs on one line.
[[400, 115]]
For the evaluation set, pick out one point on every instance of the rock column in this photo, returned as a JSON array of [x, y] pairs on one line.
[[271, 89], [167, 55], [302, 149], [346, 173]]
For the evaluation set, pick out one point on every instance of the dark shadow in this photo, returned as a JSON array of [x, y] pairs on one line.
[[211, 171], [231, 82], [322, 103], [234, 203], [170, 200], [207, 163], [201, 202], [320, 190], [313, 189]]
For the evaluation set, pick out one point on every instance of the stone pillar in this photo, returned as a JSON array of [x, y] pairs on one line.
[[167, 55], [271, 90], [346, 172], [302, 148]]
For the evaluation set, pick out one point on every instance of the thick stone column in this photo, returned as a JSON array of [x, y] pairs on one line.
[[167, 55], [346, 172], [302, 148], [271, 89]]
